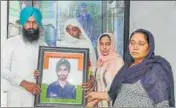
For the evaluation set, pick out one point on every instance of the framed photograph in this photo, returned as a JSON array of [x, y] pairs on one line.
[[63, 70]]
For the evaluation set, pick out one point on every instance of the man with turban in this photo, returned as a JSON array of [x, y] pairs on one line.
[[19, 60]]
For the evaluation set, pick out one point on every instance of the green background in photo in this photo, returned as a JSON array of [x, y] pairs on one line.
[[78, 99]]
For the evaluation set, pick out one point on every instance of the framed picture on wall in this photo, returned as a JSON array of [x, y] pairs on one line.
[[96, 17], [63, 70], [56, 13]]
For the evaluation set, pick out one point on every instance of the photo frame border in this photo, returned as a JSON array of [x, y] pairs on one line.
[[42, 50]]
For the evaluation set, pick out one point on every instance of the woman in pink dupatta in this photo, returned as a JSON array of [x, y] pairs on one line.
[[108, 64]]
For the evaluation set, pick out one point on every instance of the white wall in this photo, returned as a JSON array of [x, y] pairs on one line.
[[3, 38], [159, 17]]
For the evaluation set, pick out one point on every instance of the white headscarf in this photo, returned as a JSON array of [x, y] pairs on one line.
[[82, 42]]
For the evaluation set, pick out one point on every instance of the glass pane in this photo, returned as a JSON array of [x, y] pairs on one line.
[[94, 16], [55, 14], [115, 22], [13, 23]]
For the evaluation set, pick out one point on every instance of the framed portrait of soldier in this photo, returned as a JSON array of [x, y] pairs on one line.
[[62, 71]]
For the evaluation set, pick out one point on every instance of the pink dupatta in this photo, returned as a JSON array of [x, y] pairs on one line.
[[113, 61]]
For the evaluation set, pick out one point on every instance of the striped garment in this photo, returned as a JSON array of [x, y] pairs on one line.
[[103, 81]]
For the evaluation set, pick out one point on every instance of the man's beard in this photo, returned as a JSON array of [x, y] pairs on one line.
[[62, 77], [31, 35]]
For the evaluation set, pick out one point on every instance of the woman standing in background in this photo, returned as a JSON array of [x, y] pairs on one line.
[[108, 64]]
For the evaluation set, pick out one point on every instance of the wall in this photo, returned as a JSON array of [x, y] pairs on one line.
[[3, 38], [160, 18], [156, 16]]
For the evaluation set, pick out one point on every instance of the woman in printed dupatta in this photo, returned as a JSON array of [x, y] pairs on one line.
[[146, 81]]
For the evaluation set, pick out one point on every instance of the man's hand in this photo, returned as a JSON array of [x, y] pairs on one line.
[[31, 87]]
